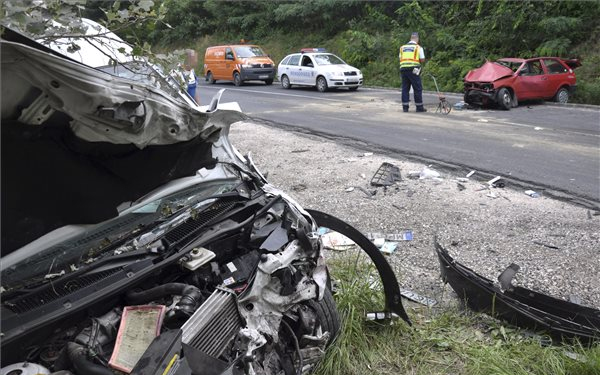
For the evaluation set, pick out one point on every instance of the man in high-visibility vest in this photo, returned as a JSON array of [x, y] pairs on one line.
[[411, 57]]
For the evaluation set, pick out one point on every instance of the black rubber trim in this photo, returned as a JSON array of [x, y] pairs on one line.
[[393, 299]]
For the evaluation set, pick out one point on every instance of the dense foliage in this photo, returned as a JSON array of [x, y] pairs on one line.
[[457, 36]]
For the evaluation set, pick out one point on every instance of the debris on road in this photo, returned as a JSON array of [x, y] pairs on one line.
[[300, 150], [460, 186], [299, 187], [337, 241], [388, 247], [470, 174], [428, 173], [546, 245], [415, 297], [532, 193], [497, 182], [386, 175]]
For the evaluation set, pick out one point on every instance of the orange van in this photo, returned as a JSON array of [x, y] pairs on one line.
[[238, 63]]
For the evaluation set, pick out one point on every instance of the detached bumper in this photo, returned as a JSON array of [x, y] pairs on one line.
[[257, 74]]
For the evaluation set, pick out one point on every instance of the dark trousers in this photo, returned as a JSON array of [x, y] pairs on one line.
[[410, 79]]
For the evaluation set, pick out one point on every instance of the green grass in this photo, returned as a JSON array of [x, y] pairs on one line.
[[439, 342]]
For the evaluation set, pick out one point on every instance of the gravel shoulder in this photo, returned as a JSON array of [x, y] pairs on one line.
[[556, 243]]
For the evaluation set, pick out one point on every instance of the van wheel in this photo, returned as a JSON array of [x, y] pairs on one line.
[[285, 82], [237, 79], [210, 79], [321, 84], [269, 82]]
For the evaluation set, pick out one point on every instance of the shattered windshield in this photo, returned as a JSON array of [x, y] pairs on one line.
[[328, 59], [109, 238], [514, 66], [249, 51]]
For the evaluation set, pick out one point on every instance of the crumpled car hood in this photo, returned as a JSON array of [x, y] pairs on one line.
[[488, 72]]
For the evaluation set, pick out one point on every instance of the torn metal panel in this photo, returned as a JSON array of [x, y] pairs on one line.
[[519, 306]]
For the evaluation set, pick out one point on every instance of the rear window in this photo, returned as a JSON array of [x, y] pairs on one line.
[[554, 67], [294, 60]]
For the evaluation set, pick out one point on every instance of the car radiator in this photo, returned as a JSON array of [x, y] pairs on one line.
[[209, 332]]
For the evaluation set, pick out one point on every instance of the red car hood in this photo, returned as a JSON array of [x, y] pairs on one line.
[[488, 72]]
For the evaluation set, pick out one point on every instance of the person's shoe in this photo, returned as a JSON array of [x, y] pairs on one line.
[[421, 109], [405, 109]]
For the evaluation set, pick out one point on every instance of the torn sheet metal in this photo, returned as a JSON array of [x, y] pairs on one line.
[[519, 306]]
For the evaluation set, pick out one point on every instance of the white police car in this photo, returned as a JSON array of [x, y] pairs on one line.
[[316, 67]]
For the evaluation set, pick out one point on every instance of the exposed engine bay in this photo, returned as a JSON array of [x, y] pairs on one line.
[[250, 297]]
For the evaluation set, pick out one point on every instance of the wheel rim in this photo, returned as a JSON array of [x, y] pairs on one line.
[[563, 96], [236, 79], [506, 99], [321, 84]]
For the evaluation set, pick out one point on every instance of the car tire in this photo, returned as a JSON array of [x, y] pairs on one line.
[[210, 79], [321, 84], [237, 79], [353, 88], [327, 314], [285, 82], [269, 82], [562, 95], [504, 99]]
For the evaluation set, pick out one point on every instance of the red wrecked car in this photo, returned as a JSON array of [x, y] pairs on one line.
[[506, 81]]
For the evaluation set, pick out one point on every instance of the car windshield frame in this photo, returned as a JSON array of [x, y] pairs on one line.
[[243, 52], [324, 59], [98, 240]]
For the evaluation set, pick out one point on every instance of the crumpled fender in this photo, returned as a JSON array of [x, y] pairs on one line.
[[393, 298]]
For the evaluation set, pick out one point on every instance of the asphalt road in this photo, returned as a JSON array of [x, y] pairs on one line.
[[555, 149]]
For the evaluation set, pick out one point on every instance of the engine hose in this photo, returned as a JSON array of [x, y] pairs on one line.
[[81, 364], [191, 297]]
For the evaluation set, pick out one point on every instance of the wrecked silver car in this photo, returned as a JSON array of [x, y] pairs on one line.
[[137, 239]]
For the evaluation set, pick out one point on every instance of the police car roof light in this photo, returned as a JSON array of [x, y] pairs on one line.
[[304, 50]]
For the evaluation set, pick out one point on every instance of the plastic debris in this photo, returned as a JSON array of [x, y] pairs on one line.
[[337, 241], [386, 175], [389, 247], [497, 182], [379, 241], [428, 173], [415, 297], [462, 179], [482, 120], [532, 193], [299, 151], [546, 245], [460, 186], [367, 154], [470, 174], [460, 106], [351, 188], [405, 235], [322, 230]]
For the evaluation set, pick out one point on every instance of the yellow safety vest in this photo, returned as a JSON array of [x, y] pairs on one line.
[[409, 56]]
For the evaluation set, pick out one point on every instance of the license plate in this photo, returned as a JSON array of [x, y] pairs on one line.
[[264, 76]]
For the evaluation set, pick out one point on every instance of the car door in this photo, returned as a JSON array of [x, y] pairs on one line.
[[307, 70], [557, 75], [228, 64], [532, 81], [292, 69]]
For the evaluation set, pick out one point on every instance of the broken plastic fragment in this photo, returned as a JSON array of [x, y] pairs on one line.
[[428, 173], [532, 193], [54, 275], [337, 241], [389, 247]]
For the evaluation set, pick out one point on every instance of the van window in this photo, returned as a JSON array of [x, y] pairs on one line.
[[248, 51], [294, 60], [228, 54]]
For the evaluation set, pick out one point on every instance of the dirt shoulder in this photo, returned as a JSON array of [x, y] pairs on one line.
[[556, 244]]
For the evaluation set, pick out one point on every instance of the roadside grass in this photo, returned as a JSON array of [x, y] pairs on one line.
[[441, 341]]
